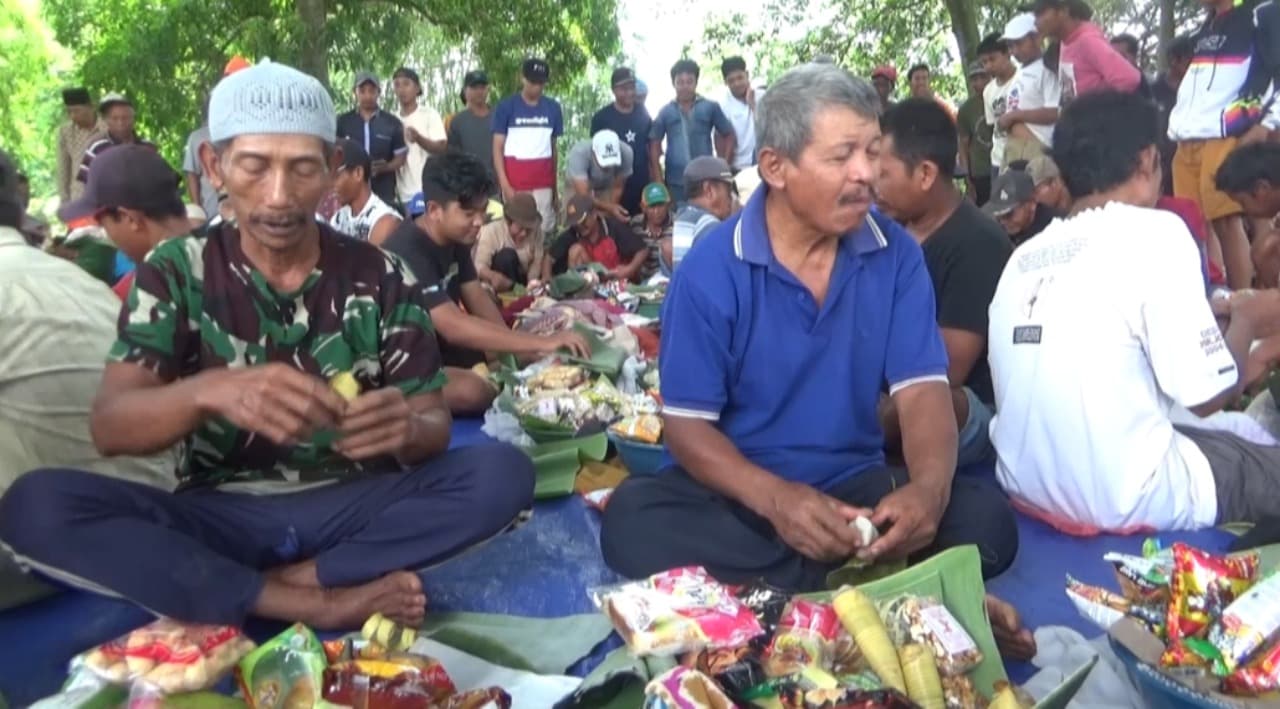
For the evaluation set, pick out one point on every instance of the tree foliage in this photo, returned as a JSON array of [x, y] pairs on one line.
[[30, 110], [166, 56]]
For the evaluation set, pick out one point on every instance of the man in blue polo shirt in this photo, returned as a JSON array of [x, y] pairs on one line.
[[780, 330]]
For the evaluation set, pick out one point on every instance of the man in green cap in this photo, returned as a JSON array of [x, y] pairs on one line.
[[653, 224]]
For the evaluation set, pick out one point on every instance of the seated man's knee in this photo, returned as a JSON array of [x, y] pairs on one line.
[[622, 527], [467, 393], [501, 477], [35, 507], [982, 515]]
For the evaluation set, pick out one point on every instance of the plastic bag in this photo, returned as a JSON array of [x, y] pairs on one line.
[[400, 680], [1260, 676], [286, 671], [677, 611], [925, 620], [1201, 588], [505, 426], [167, 657], [805, 637], [1246, 625]]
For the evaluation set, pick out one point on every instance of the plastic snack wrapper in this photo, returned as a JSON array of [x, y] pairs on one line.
[[166, 657], [1246, 625], [959, 692], [399, 681], [285, 672], [645, 428], [1260, 676], [1098, 605], [1201, 588], [925, 620], [684, 688], [677, 611], [805, 637], [1142, 579]]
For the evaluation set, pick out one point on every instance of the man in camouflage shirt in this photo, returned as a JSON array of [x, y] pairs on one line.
[[293, 502]]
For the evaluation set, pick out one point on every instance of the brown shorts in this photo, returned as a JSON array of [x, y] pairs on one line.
[[1194, 167]]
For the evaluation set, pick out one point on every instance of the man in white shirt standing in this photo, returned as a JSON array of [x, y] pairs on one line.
[[1033, 99], [363, 215], [423, 132], [1100, 334], [739, 105], [993, 52]]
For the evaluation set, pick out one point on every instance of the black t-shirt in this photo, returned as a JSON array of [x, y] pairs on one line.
[[1044, 216], [384, 139], [624, 237], [1165, 97], [965, 258], [440, 270], [633, 129]]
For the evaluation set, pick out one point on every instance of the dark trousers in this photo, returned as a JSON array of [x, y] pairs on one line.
[[507, 262], [199, 556], [670, 520], [981, 189]]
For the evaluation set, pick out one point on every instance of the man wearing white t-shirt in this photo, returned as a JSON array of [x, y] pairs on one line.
[[1033, 99], [993, 52], [423, 132], [739, 106], [1100, 334]]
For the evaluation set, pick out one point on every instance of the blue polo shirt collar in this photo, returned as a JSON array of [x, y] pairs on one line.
[[751, 233]]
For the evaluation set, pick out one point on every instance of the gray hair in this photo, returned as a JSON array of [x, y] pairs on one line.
[[784, 116]]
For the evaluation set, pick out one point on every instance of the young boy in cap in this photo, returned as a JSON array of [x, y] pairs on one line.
[[135, 197], [299, 500], [628, 119], [526, 128], [509, 250], [654, 225], [363, 215], [1034, 96], [423, 132], [378, 132], [712, 194], [82, 129], [591, 236], [599, 168], [470, 130]]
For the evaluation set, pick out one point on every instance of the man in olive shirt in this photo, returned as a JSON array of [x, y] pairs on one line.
[[975, 137]]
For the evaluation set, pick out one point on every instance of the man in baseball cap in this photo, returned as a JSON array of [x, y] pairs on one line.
[[654, 224], [975, 136], [885, 79], [380, 134], [632, 127], [254, 344], [599, 168], [712, 194], [135, 197], [525, 132], [535, 70], [593, 236], [1030, 119], [1013, 204], [470, 130]]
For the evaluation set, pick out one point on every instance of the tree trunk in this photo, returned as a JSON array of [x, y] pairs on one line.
[[1168, 29], [314, 53], [964, 24]]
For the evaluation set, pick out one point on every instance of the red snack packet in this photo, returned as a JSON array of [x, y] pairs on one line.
[[805, 636], [1261, 676], [401, 681], [1202, 586]]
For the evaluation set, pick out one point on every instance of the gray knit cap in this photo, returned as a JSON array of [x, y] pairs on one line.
[[271, 98]]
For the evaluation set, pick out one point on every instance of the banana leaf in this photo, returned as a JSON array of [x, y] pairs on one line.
[[605, 358], [557, 463]]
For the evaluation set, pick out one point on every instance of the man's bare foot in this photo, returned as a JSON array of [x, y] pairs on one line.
[[398, 596], [1014, 641]]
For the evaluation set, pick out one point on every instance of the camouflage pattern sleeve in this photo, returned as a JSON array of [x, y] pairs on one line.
[[408, 348], [154, 328]]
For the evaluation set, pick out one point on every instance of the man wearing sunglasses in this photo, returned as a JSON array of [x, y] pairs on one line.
[[712, 193]]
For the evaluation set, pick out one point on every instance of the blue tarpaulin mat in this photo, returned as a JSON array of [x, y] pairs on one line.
[[544, 569]]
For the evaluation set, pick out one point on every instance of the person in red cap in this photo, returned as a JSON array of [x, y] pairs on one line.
[[235, 64], [885, 79]]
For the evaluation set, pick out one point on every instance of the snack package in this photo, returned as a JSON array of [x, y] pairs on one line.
[[677, 611], [1260, 676], [846, 659], [491, 698], [167, 657], [843, 698], [959, 692], [740, 668], [1201, 588], [924, 620], [805, 637], [557, 376], [1246, 625], [1097, 604], [683, 688], [1143, 580], [859, 616], [400, 681], [646, 428], [285, 672]]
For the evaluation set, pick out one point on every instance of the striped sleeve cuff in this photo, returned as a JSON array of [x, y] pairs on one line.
[[905, 383], [685, 412]]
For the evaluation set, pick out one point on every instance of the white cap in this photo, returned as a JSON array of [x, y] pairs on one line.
[[607, 148], [195, 211], [1020, 26]]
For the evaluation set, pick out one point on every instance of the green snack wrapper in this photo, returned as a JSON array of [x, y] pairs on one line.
[[286, 671]]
